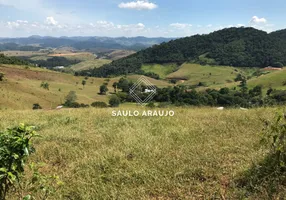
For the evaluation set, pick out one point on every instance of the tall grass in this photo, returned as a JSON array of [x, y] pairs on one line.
[[197, 154]]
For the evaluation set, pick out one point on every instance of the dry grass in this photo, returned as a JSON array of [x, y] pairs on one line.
[[197, 154]]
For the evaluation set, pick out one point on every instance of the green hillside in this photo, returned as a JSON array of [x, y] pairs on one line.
[[161, 70], [239, 47]]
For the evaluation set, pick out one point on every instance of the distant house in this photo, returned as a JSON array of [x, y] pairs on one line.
[[149, 91], [59, 67]]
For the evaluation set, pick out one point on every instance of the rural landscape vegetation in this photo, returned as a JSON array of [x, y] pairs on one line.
[[227, 89]]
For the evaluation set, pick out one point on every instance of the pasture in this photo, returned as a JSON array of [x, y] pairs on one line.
[[200, 153]]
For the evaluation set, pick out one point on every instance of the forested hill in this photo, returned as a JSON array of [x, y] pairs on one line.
[[241, 47]]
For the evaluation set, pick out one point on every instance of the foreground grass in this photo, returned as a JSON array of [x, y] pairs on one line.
[[197, 154]]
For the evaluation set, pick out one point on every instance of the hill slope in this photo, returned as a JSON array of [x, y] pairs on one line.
[[241, 47], [21, 89]]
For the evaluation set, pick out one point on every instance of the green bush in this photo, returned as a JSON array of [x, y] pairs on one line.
[[15, 148], [114, 101], [99, 104]]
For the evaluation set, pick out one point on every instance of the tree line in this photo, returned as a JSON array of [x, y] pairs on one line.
[[240, 96]]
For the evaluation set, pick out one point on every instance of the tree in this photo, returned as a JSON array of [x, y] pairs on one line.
[[123, 84], [114, 85], [2, 76], [45, 85], [103, 89], [83, 83], [70, 98], [114, 101]]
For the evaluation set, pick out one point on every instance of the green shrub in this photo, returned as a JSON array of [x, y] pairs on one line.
[[114, 101], [99, 104], [15, 148]]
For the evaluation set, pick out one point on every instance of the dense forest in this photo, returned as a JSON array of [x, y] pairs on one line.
[[240, 47]]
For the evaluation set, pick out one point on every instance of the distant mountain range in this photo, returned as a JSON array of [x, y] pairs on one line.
[[239, 47], [36, 42]]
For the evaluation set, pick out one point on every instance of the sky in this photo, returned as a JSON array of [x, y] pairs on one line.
[[130, 18]]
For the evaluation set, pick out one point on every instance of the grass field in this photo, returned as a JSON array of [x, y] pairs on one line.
[[161, 70], [200, 153], [89, 64], [195, 73], [22, 87]]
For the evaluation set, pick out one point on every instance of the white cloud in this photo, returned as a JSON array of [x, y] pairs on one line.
[[180, 26], [210, 25], [51, 21], [257, 20], [138, 5]]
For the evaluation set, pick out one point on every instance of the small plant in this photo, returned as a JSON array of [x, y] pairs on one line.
[[15, 148], [45, 85], [274, 137]]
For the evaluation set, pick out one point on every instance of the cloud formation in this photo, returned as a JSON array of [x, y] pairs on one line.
[[257, 20], [51, 21], [138, 5]]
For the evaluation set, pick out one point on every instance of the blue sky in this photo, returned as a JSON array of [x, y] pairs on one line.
[[151, 18]]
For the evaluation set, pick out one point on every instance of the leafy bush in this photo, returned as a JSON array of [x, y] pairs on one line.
[[114, 101], [99, 104], [15, 148]]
